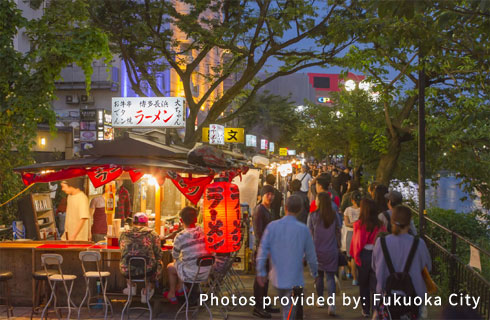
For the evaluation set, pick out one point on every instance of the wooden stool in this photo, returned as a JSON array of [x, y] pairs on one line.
[[41, 292], [4, 277]]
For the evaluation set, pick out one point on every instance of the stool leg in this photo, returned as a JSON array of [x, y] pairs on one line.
[[107, 302], [128, 302], [87, 282], [35, 297], [10, 309], [69, 301], [49, 301]]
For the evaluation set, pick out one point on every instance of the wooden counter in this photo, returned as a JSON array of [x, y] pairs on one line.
[[23, 258]]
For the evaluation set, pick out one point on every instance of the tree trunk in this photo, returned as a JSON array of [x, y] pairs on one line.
[[388, 162]]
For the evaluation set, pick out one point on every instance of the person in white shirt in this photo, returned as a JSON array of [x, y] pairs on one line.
[[304, 177], [77, 211]]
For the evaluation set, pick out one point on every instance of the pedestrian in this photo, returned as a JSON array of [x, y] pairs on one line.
[[352, 186], [277, 202], [324, 226], [61, 215], [380, 199], [304, 177], [395, 249], [394, 198], [361, 249], [322, 184], [351, 215], [286, 265], [261, 217], [77, 211], [295, 188], [99, 218]]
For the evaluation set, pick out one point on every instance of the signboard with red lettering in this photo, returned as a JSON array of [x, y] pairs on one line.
[[216, 134], [158, 112]]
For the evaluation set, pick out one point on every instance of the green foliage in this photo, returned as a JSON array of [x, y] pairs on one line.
[[60, 37], [238, 39]]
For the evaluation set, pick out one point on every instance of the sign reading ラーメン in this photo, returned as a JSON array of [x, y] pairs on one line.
[[148, 112]]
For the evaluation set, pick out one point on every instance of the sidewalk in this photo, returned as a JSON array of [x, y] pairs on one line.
[[164, 310]]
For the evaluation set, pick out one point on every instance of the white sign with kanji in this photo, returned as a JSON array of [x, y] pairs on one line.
[[159, 112], [216, 134]]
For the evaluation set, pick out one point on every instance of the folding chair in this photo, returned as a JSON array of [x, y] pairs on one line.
[[56, 260], [141, 263], [205, 261], [102, 276]]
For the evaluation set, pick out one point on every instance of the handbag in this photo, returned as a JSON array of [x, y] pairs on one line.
[[429, 283]]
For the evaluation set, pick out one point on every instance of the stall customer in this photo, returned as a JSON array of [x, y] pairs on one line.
[[77, 211], [99, 218], [189, 245], [141, 241]]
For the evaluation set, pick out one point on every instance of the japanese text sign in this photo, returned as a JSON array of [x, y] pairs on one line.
[[250, 140], [216, 134], [291, 152], [271, 147], [264, 144], [232, 135], [148, 112], [283, 151]]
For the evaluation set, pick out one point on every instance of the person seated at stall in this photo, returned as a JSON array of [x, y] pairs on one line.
[[141, 241], [189, 245]]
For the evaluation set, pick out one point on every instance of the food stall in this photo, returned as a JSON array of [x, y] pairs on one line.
[[161, 181]]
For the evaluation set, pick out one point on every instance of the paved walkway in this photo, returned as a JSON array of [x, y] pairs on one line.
[[164, 310]]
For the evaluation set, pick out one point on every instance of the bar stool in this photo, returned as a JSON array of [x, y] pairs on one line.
[[102, 276], [56, 260], [202, 262], [136, 262], [4, 278], [41, 291]]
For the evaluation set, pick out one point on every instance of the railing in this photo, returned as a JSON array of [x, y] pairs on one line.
[[449, 271]]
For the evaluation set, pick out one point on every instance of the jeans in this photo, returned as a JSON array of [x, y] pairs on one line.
[[288, 310], [367, 280], [330, 283]]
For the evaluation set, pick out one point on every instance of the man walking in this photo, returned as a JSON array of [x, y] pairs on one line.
[[286, 265], [278, 198], [261, 217], [304, 177]]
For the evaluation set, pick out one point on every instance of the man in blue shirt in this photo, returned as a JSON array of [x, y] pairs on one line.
[[286, 242]]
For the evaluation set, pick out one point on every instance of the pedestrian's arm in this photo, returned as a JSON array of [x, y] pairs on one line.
[[263, 254], [81, 222], [258, 221]]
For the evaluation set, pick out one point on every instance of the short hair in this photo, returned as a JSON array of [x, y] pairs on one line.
[[188, 215], [74, 183], [400, 218], [294, 204], [295, 185], [270, 179], [324, 181]]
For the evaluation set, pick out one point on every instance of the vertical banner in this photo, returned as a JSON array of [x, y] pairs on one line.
[[216, 134]]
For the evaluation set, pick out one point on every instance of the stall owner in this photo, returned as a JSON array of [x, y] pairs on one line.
[[77, 211]]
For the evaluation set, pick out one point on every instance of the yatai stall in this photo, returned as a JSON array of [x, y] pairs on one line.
[[161, 181]]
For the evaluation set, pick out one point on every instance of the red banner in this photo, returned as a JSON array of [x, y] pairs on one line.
[[135, 174], [191, 188], [102, 175], [30, 178]]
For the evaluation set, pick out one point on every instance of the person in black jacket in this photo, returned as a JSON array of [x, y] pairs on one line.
[[277, 201]]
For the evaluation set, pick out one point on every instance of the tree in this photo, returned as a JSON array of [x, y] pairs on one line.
[[272, 116], [448, 39], [250, 34], [60, 37]]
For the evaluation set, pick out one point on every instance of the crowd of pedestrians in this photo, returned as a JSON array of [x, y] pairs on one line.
[[340, 231]]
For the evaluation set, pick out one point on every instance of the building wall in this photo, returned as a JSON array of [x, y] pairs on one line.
[[61, 142]]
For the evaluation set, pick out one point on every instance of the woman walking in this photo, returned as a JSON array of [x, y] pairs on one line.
[[325, 229], [361, 249], [351, 215]]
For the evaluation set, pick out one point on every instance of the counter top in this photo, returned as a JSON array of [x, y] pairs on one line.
[[62, 245]]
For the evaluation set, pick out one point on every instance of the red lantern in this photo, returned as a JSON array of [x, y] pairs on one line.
[[221, 216]]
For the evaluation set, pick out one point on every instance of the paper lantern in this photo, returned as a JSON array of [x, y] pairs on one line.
[[221, 216]]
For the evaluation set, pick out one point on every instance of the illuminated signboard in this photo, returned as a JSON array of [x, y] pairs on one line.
[[324, 100], [216, 134], [232, 135], [291, 152], [271, 146], [283, 151], [264, 144], [250, 140]]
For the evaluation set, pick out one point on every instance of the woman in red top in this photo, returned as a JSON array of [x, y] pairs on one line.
[[361, 249]]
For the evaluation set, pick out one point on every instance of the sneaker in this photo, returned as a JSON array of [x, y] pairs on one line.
[[331, 310], [355, 282], [144, 298], [349, 276], [133, 290], [343, 276], [261, 313]]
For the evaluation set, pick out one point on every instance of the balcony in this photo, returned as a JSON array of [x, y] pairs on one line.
[[73, 78]]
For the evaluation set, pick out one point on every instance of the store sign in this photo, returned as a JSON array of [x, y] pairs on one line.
[[324, 100], [271, 146], [283, 151], [250, 140], [232, 135], [264, 144], [88, 125], [216, 134], [291, 152], [148, 112]]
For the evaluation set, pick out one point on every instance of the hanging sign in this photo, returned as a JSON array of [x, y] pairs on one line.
[[250, 140], [271, 147], [102, 175], [283, 151], [216, 134], [191, 188], [264, 144], [232, 135], [148, 112]]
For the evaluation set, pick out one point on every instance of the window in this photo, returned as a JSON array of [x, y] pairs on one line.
[[321, 82]]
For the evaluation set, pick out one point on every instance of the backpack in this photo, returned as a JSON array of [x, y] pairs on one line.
[[399, 283]]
